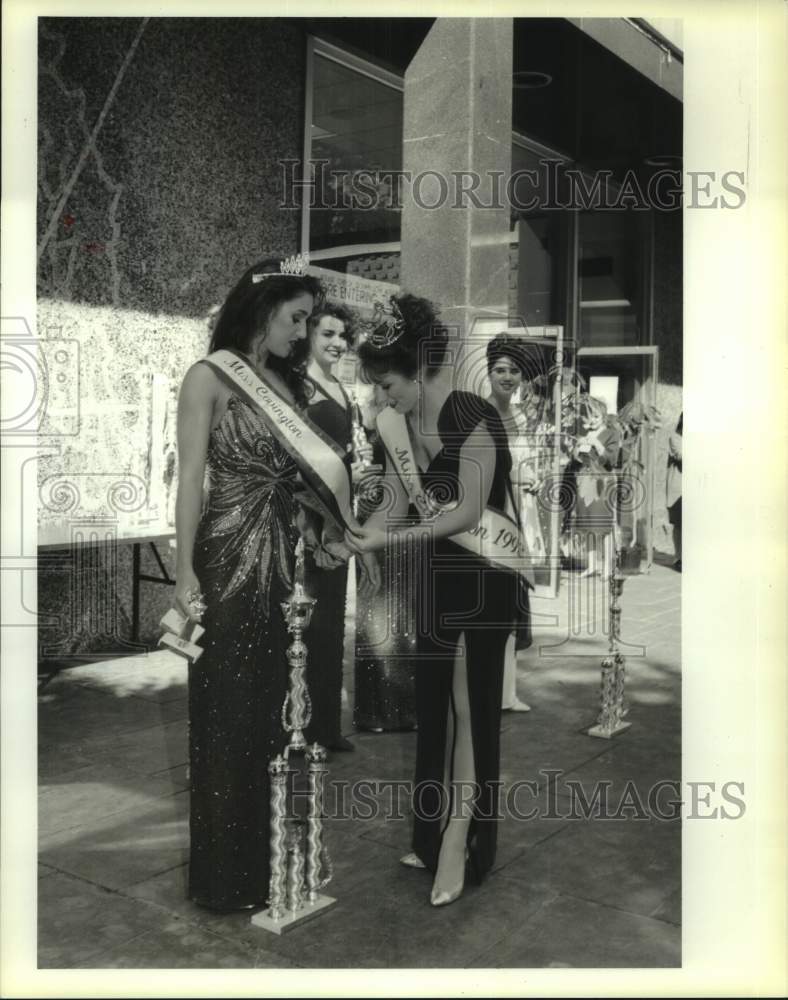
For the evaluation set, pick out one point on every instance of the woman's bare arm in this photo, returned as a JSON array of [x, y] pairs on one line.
[[196, 403]]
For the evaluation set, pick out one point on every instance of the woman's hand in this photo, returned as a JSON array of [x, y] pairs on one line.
[[324, 559], [187, 587], [366, 540], [370, 574], [362, 470], [337, 551]]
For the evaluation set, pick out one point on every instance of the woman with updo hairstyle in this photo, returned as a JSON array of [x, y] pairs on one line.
[[506, 370], [235, 550], [465, 604]]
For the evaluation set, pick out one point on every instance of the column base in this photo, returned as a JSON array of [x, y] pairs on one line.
[[290, 919], [607, 734]]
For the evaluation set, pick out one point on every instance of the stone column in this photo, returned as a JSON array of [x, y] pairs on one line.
[[458, 118]]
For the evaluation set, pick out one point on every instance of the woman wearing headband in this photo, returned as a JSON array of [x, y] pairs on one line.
[[447, 458], [234, 564], [506, 369]]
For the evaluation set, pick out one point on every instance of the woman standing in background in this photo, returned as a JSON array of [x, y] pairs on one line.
[[596, 456], [330, 334], [506, 370]]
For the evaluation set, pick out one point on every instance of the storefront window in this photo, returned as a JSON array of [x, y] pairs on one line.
[[541, 235], [355, 136], [610, 278]]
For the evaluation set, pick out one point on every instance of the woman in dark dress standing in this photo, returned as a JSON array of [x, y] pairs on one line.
[[235, 554], [457, 444], [330, 334]]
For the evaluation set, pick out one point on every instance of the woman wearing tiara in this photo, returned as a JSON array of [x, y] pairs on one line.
[[234, 565], [447, 456]]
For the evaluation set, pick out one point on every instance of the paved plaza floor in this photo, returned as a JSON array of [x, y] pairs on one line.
[[566, 890]]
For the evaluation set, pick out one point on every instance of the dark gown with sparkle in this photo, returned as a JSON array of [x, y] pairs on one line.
[[326, 633], [461, 593], [384, 697], [243, 559]]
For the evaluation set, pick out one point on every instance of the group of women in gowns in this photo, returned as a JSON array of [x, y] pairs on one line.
[[235, 565]]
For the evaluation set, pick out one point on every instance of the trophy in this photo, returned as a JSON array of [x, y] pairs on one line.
[[360, 448], [612, 710], [300, 864], [181, 633]]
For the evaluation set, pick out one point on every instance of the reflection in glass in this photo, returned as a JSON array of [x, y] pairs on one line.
[[356, 130]]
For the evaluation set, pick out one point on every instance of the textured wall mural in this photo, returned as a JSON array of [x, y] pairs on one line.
[[158, 184]]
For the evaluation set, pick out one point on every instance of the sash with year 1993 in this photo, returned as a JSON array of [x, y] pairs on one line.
[[496, 538], [319, 459]]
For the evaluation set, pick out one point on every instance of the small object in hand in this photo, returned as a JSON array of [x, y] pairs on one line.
[[181, 635], [190, 650], [195, 604], [181, 626]]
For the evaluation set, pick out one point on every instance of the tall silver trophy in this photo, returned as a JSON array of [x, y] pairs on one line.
[[300, 864], [612, 710]]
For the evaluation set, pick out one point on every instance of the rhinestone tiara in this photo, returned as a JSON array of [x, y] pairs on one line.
[[385, 326], [294, 267]]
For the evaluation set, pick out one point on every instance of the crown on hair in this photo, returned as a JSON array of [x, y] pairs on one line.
[[294, 267], [386, 325]]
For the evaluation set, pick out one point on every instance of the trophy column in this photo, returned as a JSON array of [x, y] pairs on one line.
[[612, 711], [300, 865]]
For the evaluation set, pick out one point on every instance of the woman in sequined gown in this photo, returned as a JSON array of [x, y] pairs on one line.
[[237, 548], [465, 606]]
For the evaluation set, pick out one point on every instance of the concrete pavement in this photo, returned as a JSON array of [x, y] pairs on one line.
[[566, 891]]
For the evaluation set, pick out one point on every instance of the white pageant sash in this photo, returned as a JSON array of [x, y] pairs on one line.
[[319, 459], [496, 538]]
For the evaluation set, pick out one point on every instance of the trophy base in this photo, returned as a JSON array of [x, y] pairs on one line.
[[607, 734], [290, 920]]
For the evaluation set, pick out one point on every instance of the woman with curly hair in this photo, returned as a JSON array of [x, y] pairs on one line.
[[448, 461]]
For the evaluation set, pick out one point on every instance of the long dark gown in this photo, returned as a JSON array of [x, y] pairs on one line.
[[385, 638], [243, 559], [325, 636], [461, 593]]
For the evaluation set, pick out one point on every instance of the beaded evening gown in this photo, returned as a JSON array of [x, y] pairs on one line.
[[461, 593], [326, 634], [385, 636], [243, 555]]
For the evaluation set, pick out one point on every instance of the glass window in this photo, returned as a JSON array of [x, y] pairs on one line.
[[542, 240], [356, 130], [610, 278]]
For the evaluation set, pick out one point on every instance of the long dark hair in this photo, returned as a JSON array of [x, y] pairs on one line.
[[248, 309], [421, 346]]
